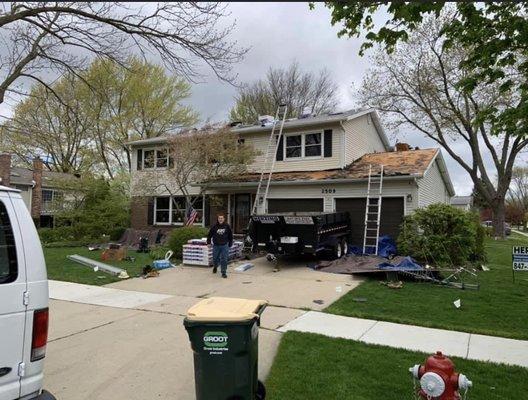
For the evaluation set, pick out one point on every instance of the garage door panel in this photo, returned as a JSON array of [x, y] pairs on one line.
[[294, 205], [392, 211]]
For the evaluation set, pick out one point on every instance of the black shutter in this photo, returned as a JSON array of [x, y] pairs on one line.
[[280, 150], [207, 211], [139, 159], [150, 211], [328, 143]]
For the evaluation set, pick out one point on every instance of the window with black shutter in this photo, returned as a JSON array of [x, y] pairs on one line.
[[328, 143]]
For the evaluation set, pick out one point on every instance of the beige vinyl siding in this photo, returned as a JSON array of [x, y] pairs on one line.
[[399, 188], [260, 142], [154, 182], [432, 188], [361, 137]]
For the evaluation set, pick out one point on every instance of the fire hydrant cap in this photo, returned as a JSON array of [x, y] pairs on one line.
[[463, 382]]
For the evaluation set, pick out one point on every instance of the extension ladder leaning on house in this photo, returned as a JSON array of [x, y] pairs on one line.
[[269, 159], [373, 210]]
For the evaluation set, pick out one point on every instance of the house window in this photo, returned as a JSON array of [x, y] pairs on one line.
[[312, 145], [47, 196], [171, 210], [163, 210], [294, 146], [304, 145], [155, 158]]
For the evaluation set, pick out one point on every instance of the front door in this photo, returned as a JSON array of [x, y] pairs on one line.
[[242, 212], [12, 309]]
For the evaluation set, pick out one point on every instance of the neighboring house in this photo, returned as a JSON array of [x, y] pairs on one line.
[[36, 186], [465, 203], [322, 164]]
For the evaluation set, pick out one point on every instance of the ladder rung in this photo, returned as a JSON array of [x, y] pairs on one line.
[[372, 237]]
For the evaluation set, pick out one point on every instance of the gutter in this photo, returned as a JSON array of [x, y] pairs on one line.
[[311, 181]]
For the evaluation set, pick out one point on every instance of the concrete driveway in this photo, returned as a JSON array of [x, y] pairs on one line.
[[134, 348]]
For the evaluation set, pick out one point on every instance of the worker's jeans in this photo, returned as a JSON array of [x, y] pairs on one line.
[[220, 256]]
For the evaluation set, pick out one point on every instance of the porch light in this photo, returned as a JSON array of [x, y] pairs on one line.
[[409, 198]]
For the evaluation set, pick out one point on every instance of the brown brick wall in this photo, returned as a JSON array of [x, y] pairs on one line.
[[5, 169], [36, 193], [139, 213]]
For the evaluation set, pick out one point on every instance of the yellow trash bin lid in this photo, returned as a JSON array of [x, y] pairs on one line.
[[225, 309]]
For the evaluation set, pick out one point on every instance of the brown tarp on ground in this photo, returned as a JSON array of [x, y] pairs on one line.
[[352, 264]]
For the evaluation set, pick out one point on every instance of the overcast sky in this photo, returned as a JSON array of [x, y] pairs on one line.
[[279, 34]]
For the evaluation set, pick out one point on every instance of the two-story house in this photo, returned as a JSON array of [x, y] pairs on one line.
[[322, 164], [38, 188]]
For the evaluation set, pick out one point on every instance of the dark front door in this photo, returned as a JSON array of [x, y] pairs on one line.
[[294, 205], [218, 204], [242, 212], [392, 210]]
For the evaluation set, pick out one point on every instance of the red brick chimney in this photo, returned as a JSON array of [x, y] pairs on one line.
[[5, 169], [402, 147], [36, 193]]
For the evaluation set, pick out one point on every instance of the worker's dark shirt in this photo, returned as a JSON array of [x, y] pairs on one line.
[[220, 234]]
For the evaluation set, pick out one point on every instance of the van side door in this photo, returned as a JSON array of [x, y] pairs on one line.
[[13, 286]]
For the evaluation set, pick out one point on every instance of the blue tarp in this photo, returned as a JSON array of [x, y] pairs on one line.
[[407, 264], [386, 248]]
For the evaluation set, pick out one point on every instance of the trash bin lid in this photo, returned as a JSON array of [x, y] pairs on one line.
[[225, 309]]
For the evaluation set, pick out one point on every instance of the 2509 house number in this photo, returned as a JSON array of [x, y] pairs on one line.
[[328, 191]]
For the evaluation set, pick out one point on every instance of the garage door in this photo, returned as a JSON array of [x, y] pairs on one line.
[[392, 210], [294, 205]]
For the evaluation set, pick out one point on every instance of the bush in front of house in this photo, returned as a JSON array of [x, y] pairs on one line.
[[179, 236], [58, 234], [443, 236]]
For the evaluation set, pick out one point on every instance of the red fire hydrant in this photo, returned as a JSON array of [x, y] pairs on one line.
[[438, 379]]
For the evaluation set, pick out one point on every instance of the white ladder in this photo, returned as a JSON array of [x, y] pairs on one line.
[[373, 210], [269, 158]]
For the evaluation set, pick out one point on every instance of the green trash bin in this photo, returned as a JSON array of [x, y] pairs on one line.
[[224, 339]]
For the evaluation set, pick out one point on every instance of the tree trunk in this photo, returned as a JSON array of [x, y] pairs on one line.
[[499, 214]]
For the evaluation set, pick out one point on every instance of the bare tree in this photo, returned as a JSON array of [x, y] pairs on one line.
[[298, 90], [198, 156], [417, 86], [518, 193], [39, 38], [43, 127]]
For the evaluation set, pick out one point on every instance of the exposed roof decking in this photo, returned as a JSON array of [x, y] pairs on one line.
[[412, 163]]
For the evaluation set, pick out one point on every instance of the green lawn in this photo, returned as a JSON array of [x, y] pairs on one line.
[[310, 366], [499, 308], [62, 269]]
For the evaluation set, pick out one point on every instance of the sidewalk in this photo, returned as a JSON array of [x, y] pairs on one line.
[[520, 233], [410, 337]]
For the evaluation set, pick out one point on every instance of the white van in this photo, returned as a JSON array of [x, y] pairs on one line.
[[23, 302]]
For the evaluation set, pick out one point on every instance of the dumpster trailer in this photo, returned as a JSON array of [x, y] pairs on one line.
[[300, 233]]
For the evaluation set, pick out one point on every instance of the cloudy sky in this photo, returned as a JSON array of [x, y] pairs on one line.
[[279, 34]]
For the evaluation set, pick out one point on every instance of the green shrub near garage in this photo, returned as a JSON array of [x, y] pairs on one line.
[[443, 236], [179, 236]]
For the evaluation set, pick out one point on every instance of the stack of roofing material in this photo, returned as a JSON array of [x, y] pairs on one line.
[[198, 252]]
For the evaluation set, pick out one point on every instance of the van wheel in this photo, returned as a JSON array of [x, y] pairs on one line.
[[261, 391], [344, 247]]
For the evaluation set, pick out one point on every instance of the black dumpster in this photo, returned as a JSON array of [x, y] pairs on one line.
[[224, 338]]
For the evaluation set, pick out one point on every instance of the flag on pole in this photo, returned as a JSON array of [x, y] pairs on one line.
[[192, 214]]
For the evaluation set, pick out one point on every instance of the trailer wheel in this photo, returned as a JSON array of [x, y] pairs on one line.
[[338, 251], [344, 247]]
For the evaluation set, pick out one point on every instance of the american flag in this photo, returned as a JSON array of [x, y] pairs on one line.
[[192, 214]]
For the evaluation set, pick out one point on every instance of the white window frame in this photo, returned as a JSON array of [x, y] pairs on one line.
[[303, 146], [155, 167], [171, 202], [52, 195]]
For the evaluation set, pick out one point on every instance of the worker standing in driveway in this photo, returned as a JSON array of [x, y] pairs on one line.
[[221, 236]]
